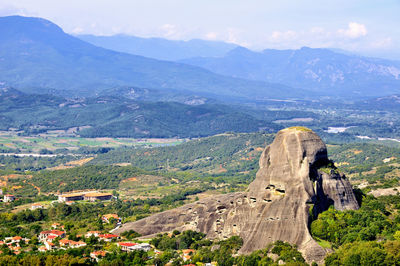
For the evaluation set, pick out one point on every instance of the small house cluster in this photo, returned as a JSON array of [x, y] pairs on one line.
[[14, 243], [57, 238]]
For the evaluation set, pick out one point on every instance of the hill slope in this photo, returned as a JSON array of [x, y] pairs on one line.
[[321, 70], [37, 54], [122, 117]]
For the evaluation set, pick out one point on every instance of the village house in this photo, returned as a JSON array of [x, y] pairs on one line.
[[42, 249], [15, 249], [142, 246], [77, 244], [71, 244], [15, 239], [92, 233], [44, 235], [35, 206], [129, 246], [108, 237], [55, 225], [187, 254], [63, 242], [97, 196], [107, 217], [49, 245], [51, 238], [9, 198], [96, 255], [126, 246]]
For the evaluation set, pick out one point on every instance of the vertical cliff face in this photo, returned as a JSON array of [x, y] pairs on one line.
[[294, 175]]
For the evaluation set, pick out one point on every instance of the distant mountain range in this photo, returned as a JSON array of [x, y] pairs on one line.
[[37, 56], [321, 70], [159, 48]]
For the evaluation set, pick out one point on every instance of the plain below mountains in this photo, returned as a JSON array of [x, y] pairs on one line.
[[38, 56]]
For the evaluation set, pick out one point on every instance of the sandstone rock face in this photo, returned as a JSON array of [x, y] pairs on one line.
[[276, 204]]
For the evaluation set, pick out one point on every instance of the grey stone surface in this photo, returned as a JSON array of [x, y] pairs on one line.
[[276, 204]]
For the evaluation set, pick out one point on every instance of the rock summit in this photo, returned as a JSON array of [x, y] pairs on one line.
[[295, 178]]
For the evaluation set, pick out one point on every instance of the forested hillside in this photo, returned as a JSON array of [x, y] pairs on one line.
[[112, 116]]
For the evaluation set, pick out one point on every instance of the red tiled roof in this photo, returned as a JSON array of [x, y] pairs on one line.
[[187, 251], [127, 244], [97, 194], [111, 215], [52, 232], [99, 253]]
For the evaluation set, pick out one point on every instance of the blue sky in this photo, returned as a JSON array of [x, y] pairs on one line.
[[362, 26]]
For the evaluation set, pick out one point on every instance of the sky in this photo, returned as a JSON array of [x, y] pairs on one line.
[[368, 27]]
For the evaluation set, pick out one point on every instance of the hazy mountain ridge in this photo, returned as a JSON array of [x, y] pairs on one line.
[[36, 55], [159, 48], [321, 70]]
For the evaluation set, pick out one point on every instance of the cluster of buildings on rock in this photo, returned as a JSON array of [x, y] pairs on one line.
[[89, 196]]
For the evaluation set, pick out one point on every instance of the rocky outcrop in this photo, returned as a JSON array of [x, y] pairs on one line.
[[295, 174]]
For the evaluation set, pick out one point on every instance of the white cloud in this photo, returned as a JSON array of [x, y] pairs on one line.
[[279, 36], [234, 35], [169, 30], [318, 30], [211, 36], [382, 43], [8, 10], [354, 30], [77, 30], [317, 36]]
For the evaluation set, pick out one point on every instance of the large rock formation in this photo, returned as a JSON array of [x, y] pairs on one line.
[[294, 175]]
